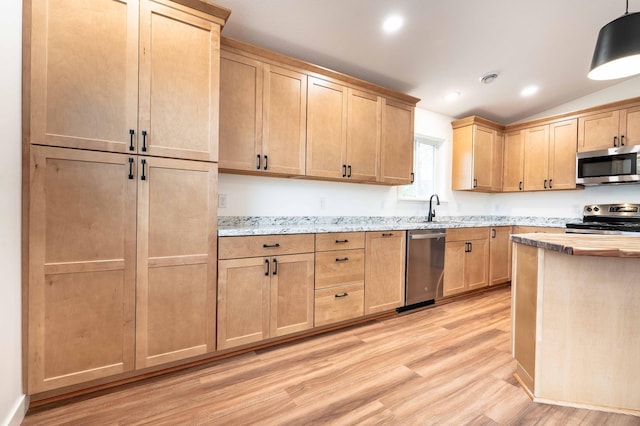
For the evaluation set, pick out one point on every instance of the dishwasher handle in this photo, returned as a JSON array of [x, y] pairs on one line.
[[427, 236]]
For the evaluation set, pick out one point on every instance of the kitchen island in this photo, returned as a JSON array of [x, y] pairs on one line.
[[576, 319]]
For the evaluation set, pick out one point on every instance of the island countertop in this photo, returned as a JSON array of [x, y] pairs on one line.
[[583, 244]]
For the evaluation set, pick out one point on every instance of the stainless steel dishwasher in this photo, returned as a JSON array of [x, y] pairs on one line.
[[425, 267]]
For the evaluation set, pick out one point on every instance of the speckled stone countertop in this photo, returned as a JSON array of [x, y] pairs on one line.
[[583, 244], [229, 226]]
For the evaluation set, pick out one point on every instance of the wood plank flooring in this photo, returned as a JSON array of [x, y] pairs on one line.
[[446, 365]]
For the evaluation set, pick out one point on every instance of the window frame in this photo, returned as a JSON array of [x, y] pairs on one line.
[[418, 139]]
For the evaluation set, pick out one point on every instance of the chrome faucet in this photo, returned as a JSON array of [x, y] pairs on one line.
[[432, 212]]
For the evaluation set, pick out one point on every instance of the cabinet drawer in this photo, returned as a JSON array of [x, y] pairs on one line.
[[339, 303], [466, 234], [339, 241], [264, 245], [339, 267]]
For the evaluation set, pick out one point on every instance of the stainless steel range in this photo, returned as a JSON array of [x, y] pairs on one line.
[[614, 219]]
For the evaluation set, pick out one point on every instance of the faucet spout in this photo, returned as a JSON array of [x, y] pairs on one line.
[[432, 212]]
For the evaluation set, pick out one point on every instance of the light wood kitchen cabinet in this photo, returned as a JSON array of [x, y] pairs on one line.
[[340, 274], [89, 213], [364, 115], [263, 111], [609, 129], [477, 155], [466, 260], [500, 255], [263, 293], [396, 157], [176, 260], [384, 271], [513, 164], [158, 62], [550, 155]]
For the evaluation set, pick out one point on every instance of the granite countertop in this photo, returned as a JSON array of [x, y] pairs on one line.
[[241, 226], [583, 244]]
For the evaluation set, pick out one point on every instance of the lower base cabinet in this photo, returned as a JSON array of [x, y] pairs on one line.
[[339, 303], [267, 296], [384, 271], [500, 255], [466, 260]]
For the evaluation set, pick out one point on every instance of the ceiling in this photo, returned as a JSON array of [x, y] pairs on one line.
[[443, 46]]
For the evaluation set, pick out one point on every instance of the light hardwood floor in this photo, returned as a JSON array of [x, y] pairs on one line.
[[446, 365]]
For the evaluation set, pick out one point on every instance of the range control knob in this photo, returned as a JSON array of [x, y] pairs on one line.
[[596, 209], [589, 209]]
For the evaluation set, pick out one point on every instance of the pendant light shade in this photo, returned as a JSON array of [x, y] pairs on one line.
[[617, 51]]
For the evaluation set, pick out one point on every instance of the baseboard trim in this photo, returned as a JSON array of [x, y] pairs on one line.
[[16, 417]]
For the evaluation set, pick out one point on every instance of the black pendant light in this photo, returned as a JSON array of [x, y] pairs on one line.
[[617, 51]]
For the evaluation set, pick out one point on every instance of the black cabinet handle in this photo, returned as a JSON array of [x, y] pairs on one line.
[[275, 266], [621, 140], [144, 141], [341, 241], [258, 165], [615, 141], [130, 168], [550, 183], [413, 177], [520, 186], [266, 162], [276, 245], [545, 184], [466, 247], [344, 170], [266, 274], [337, 296], [470, 247], [389, 234], [144, 163], [131, 133], [341, 259], [475, 183], [349, 174], [493, 232]]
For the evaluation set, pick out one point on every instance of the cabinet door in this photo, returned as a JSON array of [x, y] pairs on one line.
[[243, 301], [497, 162], [562, 154], [81, 296], [462, 159], [500, 255], [513, 167], [598, 131], [536, 158], [363, 136], [326, 129], [384, 271], [240, 112], [176, 275], [630, 126], [84, 96], [285, 121], [454, 256], [291, 294], [179, 85], [483, 143], [476, 267], [396, 154]]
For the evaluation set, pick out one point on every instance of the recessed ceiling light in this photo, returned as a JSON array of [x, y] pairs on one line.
[[529, 90], [489, 77], [392, 23], [451, 96]]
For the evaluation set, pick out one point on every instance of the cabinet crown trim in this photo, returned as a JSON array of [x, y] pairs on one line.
[[474, 119]]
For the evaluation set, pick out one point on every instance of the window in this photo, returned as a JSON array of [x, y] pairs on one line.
[[424, 167]]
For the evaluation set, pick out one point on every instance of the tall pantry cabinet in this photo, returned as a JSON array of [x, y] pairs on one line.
[[120, 143]]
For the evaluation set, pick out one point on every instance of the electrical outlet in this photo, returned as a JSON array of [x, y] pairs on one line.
[[323, 203], [222, 201]]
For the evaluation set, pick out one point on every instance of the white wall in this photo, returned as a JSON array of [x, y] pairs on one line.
[[260, 196], [11, 395]]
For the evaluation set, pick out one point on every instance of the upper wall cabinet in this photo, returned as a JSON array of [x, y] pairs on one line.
[[263, 113], [477, 155], [609, 129], [291, 118], [124, 82]]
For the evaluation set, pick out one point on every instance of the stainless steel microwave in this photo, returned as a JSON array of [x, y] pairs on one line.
[[615, 165]]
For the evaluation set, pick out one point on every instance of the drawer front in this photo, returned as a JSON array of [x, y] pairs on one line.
[[339, 303], [264, 245], [339, 241], [467, 234], [339, 267]]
